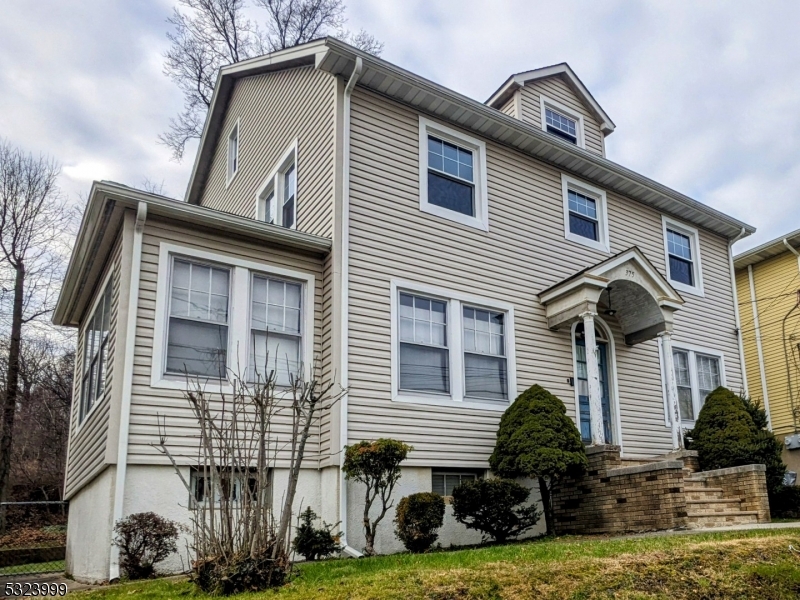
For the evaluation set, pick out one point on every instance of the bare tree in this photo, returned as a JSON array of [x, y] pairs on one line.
[[32, 217], [209, 34], [239, 445]]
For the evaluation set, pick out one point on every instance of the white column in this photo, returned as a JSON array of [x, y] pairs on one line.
[[672, 390], [593, 376]]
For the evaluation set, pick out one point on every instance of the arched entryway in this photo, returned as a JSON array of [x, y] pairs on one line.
[[631, 290]]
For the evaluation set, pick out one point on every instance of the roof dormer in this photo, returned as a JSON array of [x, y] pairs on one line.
[[554, 99]]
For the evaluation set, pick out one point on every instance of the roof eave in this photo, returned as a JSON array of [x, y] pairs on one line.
[[767, 250], [105, 196]]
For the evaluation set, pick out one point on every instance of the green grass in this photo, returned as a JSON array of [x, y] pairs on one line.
[[748, 564], [53, 566]]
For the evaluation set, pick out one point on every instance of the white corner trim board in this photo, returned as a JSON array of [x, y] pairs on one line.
[[127, 382], [345, 316]]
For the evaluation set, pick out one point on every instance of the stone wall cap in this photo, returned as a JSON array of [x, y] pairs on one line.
[[601, 448], [656, 466], [728, 471]]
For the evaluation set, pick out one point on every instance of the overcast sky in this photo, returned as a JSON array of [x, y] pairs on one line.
[[705, 95]]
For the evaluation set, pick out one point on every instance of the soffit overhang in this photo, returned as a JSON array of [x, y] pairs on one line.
[[102, 222], [767, 250], [380, 76], [643, 299]]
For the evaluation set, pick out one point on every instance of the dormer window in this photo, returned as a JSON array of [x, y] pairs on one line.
[[561, 121], [560, 125]]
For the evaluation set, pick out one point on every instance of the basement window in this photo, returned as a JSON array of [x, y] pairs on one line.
[[444, 481]]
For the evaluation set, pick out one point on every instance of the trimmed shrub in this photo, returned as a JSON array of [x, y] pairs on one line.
[[731, 431], [144, 539], [376, 465], [537, 439], [418, 518], [494, 507], [312, 543]]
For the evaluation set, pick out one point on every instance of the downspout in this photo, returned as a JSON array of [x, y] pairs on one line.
[[127, 382], [759, 348], [741, 234], [785, 353], [344, 317]]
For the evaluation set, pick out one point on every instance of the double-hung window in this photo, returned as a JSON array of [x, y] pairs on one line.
[[697, 373], [450, 347], [95, 354], [424, 355], [585, 214], [485, 369], [197, 340], [233, 152], [275, 328], [561, 121], [561, 125], [277, 198], [452, 175], [682, 251]]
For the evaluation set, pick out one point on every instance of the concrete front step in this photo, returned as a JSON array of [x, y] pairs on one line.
[[710, 506], [738, 517]]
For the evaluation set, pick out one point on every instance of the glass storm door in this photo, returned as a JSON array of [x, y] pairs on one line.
[[583, 387]]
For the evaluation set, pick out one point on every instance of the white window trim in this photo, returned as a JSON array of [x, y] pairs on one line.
[[478, 147], [238, 313], [95, 303], [613, 383], [230, 171], [545, 102], [273, 181], [455, 346], [693, 350], [694, 238], [599, 195]]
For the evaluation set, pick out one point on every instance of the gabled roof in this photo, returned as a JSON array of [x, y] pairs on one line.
[[515, 82], [102, 220], [767, 250], [338, 59]]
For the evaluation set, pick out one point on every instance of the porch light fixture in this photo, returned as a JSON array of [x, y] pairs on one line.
[[609, 311]]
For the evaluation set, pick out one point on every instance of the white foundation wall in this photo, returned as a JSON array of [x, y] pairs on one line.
[[89, 529], [412, 481], [158, 489]]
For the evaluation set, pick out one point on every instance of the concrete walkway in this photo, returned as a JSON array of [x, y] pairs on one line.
[[747, 527]]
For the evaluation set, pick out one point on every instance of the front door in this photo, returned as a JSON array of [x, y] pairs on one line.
[[583, 386]]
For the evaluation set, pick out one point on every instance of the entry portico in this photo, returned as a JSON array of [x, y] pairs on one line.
[[628, 287]]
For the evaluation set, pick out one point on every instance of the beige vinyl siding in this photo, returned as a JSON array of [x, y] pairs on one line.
[[273, 111], [87, 440], [523, 253], [147, 403], [510, 107], [555, 88]]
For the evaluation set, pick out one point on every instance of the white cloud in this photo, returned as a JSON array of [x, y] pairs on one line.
[[705, 95]]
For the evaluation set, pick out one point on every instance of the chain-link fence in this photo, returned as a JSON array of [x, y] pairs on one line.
[[35, 539]]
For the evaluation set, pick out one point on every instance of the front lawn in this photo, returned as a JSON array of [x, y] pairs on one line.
[[745, 564]]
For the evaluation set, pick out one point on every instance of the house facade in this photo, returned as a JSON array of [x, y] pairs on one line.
[[767, 281], [432, 254]]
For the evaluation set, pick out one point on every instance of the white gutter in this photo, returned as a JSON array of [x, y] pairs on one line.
[[348, 90], [793, 251], [759, 349], [127, 382], [742, 233]]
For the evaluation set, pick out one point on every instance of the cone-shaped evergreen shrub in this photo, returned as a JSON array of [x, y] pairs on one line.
[[537, 439], [731, 431]]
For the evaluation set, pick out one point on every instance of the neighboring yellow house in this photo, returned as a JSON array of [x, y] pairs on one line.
[[768, 287]]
